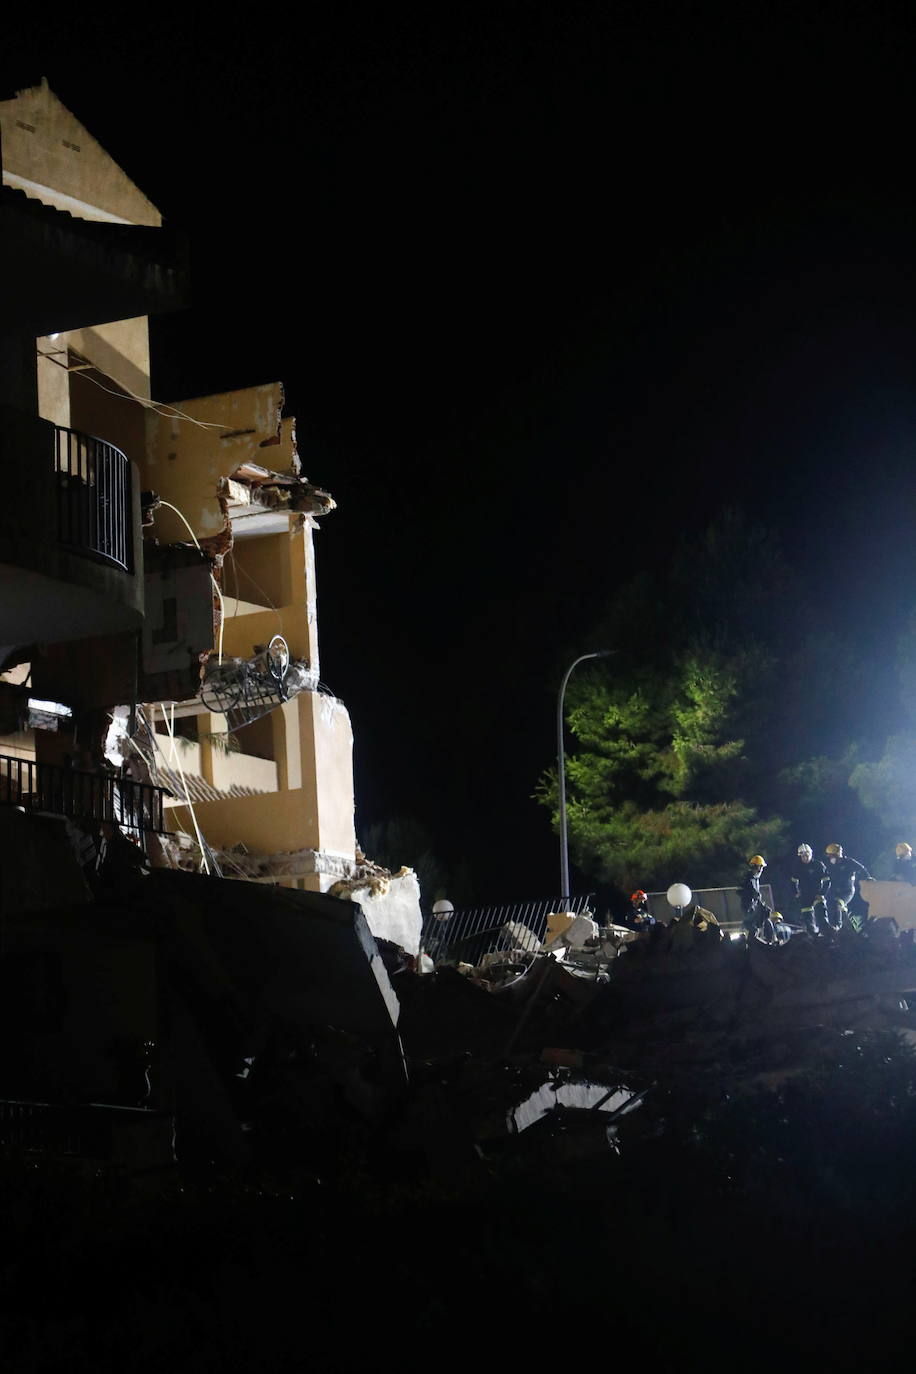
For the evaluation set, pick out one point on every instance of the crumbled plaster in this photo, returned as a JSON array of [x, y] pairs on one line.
[[390, 902], [394, 912], [330, 709], [117, 741]]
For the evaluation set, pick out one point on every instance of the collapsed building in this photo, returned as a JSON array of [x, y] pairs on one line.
[[162, 715], [188, 929]]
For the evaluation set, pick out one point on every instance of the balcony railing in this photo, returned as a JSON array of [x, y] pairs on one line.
[[471, 932], [72, 792], [135, 1137], [94, 513]]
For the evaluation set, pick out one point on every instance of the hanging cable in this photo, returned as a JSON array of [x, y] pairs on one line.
[[169, 725], [257, 586], [156, 778], [161, 408]]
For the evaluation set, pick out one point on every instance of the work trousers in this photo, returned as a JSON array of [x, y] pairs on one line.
[[836, 909], [759, 920], [808, 913]]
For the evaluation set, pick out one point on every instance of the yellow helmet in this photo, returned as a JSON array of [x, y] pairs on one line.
[[836, 849], [904, 851], [756, 861]]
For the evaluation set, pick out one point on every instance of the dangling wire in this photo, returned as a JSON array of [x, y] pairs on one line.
[[161, 408], [175, 758]]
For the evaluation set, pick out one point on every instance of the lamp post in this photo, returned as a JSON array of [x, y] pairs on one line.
[[561, 768], [679, 896]]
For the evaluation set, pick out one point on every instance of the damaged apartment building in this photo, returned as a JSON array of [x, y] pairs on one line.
[[160, 699]]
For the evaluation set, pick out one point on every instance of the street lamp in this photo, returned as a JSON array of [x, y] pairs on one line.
[[561, 768]]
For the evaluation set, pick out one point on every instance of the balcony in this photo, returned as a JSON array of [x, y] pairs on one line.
[[69, 532], [93, 498], [81, 795]]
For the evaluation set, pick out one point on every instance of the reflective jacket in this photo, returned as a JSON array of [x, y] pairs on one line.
[[810, 880]]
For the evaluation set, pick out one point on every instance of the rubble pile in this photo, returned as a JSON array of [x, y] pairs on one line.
[[669, 1118], [633, 1023], [281, 1034]]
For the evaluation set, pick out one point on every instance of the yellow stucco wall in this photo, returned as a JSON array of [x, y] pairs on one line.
[[50, 155], [262, 568], [53, 158], [312, 735], [53, 381], [120, 350], [238, 769], [327, 769], [184, 462], [296, 618], [272, 824]]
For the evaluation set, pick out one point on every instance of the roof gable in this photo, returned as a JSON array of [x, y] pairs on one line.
[[50, 155]]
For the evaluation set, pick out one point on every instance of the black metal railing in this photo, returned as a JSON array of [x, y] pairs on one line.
[[471, 932], [94, 506], [72, 792], [94, 1131]]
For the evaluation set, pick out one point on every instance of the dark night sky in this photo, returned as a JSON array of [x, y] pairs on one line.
[[545, 289]]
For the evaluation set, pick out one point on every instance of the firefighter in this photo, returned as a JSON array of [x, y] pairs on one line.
[[904, 867], [809, 878], [758, 917], [842, 872], [639, 917]]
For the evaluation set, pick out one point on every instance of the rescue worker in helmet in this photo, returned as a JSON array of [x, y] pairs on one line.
[[842, 872], [809, 878], [904, 866], [758, 917], [639, 917]]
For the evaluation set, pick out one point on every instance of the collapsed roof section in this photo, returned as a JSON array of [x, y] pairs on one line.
[[209, 461], [389, 901], [253, 497], [205, 477]]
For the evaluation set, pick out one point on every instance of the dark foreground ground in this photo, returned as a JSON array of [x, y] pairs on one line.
[[716, 1233]]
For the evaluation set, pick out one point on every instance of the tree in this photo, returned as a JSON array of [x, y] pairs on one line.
[[886, 786], [737, 718], [653, 783], [678, 746]]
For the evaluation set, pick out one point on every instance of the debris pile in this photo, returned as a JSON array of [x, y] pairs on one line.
[[634, 1019]]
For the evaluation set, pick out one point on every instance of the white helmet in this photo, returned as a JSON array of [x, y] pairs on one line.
[[805, 850]]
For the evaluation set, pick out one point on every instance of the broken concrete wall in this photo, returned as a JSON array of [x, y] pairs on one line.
[[327, 771], [185, 460], [393, 910], [301, 957], [891, 899]]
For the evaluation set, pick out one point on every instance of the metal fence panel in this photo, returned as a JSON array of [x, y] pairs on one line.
[[469, 933]]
